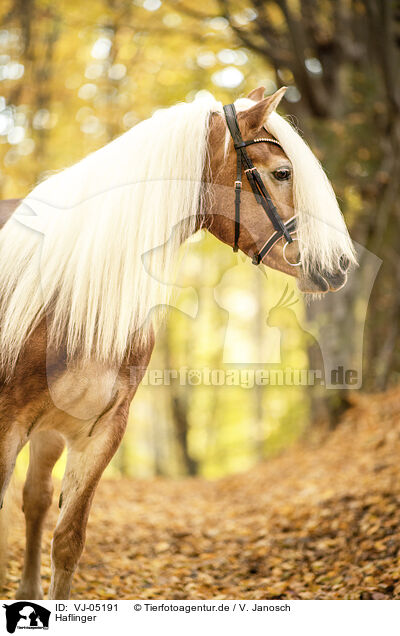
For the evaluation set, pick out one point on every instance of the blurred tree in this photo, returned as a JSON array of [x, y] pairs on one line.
[[180, 398]]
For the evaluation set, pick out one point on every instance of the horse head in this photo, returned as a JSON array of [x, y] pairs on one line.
[[318, 250]]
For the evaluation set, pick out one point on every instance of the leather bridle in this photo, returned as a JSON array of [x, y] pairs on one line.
[[282, 229]]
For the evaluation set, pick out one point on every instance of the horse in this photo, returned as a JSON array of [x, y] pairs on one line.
[[81, 260]]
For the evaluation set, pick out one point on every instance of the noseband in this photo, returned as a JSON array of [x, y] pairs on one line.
[[282, 229]]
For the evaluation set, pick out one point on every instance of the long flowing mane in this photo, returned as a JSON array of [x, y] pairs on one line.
[[80, 262], [322, 233], [73, 250]]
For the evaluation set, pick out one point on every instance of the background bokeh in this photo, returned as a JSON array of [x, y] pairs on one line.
[[74, 75]]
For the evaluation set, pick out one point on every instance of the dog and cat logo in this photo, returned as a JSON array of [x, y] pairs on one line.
[[26, 615]]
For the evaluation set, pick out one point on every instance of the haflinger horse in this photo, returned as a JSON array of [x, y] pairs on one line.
[[75, 297]]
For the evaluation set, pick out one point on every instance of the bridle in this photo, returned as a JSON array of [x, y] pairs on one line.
[[282, 229]]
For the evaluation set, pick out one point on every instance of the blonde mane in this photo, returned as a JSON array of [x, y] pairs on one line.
[[91, 247]]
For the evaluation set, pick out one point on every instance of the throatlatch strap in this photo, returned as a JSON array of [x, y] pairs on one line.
[[231, 121], [238, 189]]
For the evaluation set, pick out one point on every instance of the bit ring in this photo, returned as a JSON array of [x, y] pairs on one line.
[[286, 258]]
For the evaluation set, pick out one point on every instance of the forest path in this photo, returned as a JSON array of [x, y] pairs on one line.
[[314, 523]]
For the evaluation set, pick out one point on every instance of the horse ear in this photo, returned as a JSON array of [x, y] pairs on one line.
[[256, 94], [254, 118]]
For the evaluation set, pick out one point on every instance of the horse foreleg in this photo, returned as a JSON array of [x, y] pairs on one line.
[[87, 458], [12, 439], [11, 442], [45, 448]]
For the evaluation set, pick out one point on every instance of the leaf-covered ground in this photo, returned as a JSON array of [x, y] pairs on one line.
[[314, 523]]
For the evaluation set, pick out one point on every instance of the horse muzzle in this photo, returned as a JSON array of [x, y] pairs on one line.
[[321, 280]]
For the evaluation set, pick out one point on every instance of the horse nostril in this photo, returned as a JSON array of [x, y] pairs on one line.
[[344, 263]]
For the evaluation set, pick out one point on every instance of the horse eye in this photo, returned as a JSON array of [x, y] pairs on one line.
[[283, 174]]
